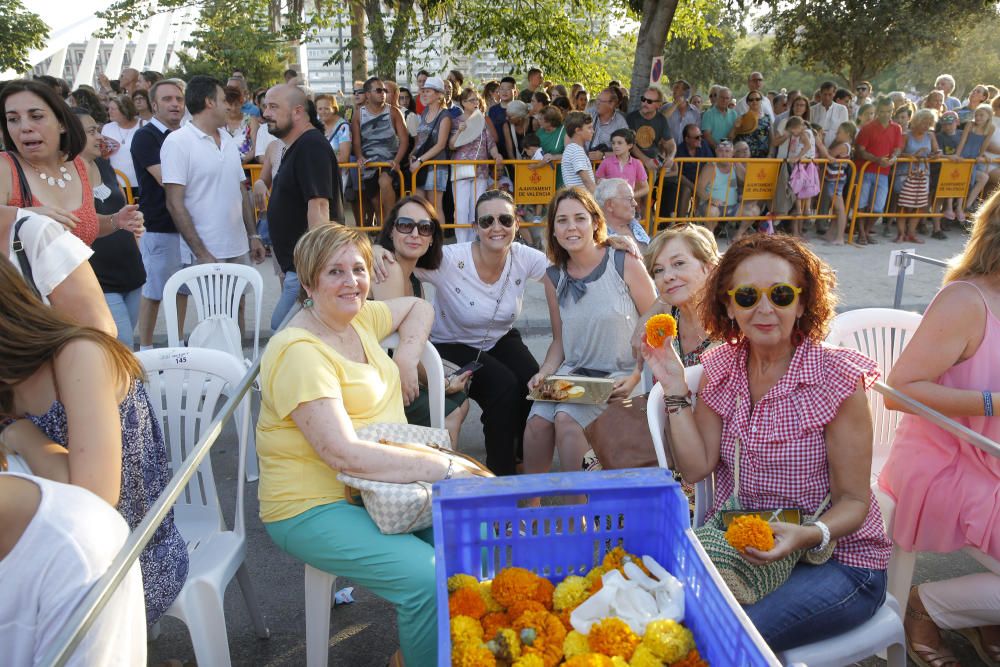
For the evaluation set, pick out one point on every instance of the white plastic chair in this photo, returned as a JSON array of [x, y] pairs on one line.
[[656, 417], [319, 584], [187, 387], [880, 334], [216, 290]]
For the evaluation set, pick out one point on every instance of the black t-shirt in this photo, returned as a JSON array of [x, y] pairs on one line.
[[648, 132], [116, 259], [308, 171], [146, 146]]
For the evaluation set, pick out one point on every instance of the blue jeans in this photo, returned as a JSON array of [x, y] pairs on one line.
[[818, 602], [342, 539], [124, 307], [880, 182], [289, 293]]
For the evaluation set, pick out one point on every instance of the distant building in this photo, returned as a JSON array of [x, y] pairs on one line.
[[74, 58]]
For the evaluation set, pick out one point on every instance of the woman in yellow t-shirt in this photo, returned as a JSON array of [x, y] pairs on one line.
[[323, 376]]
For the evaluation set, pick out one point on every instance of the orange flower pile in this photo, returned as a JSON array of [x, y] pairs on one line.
[[750, 531], [521, 620], [659, 328]]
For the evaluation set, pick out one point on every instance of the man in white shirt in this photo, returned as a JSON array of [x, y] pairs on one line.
[[203, 179], [828, 114], [755, 83]]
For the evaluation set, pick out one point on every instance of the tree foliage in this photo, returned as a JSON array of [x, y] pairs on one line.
[[20, 32], [858, 39], [233, 36]]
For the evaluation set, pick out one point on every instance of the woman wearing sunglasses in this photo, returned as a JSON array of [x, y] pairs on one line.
[[595, 295], [414, 237], [783, 422], [479, 289]]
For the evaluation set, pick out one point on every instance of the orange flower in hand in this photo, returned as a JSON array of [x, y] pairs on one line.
[[659, 328], [750, 531]]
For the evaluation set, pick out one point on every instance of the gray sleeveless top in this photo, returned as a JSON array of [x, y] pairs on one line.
[[598, 317], [379, 142]]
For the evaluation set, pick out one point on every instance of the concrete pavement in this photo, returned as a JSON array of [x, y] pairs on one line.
[[363, 634]]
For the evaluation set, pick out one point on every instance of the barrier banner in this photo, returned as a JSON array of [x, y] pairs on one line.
[[954, 179], [534, 186], [760, 180]]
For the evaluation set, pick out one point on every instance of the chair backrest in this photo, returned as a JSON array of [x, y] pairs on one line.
[[216, 290], [880, 334], [434, 369], [656, 414], [188, 387]]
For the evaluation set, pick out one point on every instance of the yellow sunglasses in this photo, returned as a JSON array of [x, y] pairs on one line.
[[781, 295]]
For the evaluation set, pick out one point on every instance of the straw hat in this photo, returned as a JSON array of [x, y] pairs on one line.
[[747, 123]]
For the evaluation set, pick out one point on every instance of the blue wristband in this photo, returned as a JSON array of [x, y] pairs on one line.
[[988, 404]]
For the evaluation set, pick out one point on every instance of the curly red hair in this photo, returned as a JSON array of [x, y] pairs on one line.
[[816, 278]]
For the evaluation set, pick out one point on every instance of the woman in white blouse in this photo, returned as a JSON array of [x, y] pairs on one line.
[[125, 122]]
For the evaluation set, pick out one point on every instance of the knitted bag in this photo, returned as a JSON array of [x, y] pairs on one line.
[[748, 582]]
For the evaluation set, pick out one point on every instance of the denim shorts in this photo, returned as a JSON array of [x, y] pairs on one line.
[[161, 256], [834, 187], [428, 178]]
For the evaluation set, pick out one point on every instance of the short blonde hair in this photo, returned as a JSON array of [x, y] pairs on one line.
[[924, 115], [698, 238], [319, 244]]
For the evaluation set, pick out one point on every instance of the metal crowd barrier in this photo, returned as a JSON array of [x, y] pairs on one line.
[[953, 180], [903, 261], [61, 649]]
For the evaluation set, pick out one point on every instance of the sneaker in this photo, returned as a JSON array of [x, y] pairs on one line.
[[922, 227]]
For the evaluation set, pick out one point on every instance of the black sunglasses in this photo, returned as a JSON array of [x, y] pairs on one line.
[[753, 99], [505, 219], [646, 100], [406, 225], [359, 91], [380, 90]]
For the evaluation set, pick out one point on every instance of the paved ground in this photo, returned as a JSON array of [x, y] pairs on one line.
[[363, 634]]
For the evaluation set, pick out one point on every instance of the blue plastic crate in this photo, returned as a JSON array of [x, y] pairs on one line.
[[479, 530]]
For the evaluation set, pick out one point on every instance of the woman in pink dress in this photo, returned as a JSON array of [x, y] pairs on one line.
[[947, 492]]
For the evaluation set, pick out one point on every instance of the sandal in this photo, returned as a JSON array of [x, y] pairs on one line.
[[913, 238], [921, 654], [988, 653]]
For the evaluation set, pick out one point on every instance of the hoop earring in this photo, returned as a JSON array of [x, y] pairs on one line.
[[308, 302], [733, 336]]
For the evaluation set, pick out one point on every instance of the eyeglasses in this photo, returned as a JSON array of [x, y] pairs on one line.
[[380, 90], [406, 226], [696, 137], [646, 100], [505, 219], [781, 295]]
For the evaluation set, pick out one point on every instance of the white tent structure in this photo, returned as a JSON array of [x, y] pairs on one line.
[[72, 23]]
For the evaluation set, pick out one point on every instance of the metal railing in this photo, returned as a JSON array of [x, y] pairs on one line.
[[62, 647], [903, 261]]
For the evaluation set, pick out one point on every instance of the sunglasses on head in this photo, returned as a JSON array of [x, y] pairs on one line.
[[486, 221], [406, 225], [781, 295]]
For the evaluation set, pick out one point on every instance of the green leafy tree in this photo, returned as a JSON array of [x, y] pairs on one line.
[[20, 32], [234, 36], [858, 39]]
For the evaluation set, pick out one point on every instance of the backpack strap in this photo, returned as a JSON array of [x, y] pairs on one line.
[[619, 257]]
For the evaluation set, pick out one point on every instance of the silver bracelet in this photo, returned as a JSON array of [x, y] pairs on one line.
[[826, 536]]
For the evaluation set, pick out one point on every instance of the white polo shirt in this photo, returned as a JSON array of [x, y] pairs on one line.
[[829, 119], [212, 176]]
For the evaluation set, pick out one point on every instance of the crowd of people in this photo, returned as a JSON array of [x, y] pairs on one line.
[[781, 419]]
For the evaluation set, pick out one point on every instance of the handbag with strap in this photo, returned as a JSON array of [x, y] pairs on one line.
[[620, 435], [22, 258], [748, 582], [404, 508]]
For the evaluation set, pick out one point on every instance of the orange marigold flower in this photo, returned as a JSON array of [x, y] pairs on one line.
[[543, 593], [692, 659], [589, 660], [472, 655], [513, 584], [522, 606], [613, 636], [564, 616], [542, 634], [659, 328], [750, 531], [494, 622], [466, 602], [530, 660]]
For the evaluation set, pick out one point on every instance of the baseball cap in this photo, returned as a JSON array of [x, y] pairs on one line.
[[949, 117], [434, 83]]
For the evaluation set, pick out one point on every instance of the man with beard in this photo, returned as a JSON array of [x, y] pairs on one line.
[[305, 190]]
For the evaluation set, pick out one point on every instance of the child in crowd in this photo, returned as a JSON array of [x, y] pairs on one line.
[[576, 166], [531, 149], [975, 138], [804, 180], [948, 139], [837, 176], [912, 177], [621, 163]]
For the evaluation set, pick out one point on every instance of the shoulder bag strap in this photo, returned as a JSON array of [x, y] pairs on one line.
[[22, 258], [22, 180]]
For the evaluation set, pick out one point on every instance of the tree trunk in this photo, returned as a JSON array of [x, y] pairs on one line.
[[387, 46], [359, 52], [657, 15]]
